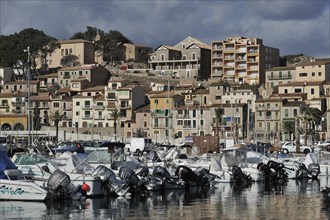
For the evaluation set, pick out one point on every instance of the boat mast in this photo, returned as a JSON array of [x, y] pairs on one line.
[[28, 101]]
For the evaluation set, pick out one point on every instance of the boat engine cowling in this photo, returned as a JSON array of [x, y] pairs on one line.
[[109, 179], [314, 170], [161, 172], [206, 175], [131, 178], [60, 187]]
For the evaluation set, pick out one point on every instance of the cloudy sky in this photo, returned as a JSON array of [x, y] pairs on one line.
[[293, 26]]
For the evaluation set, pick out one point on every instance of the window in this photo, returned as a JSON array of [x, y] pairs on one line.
[[56, 105], [194, 113], [320, 74], [77, 103], [302, 74], [180, 122], [313, 74], [312, 91], [286, 112], [295, 112], [77, 113], [156, 101], [194, 124], [201, 122]]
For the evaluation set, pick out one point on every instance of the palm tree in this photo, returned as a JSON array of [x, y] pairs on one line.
[[56, 116], [289, 127], [305, 119], [218, 119], [311, 117], [114, 115]]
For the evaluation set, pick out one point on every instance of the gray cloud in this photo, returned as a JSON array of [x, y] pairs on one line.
[[292, 26]]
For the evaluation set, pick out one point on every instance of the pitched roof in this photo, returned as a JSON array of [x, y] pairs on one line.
[[74, 41], [72, 68], [317, 62]]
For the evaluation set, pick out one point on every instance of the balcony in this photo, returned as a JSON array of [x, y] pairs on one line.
[[87, 107], [99, 117], [87, 117], [4, 105], [18, 104], [125, 106], [17, 111], [99, 107]]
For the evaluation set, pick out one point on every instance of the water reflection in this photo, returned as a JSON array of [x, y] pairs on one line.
[[291, 200]]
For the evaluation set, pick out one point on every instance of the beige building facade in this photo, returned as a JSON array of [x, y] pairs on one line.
[[240, 59]]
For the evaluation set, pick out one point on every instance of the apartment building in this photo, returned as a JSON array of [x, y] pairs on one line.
[[42, 106], [95, 74], [217, 90], [13, 114], [279, 75], [83, 49], [313, 71], [135, 52], [268, 119], [190, 58], [240, 59], [234, 121], [312, 89], [161, 108], [22, 86], [191, 120], [143, 122], [47, 81], [6, 75]]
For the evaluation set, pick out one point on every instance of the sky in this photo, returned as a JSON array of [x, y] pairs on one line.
[[293, 26]]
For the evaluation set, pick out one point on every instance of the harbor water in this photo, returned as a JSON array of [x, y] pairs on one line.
[[294, 200]]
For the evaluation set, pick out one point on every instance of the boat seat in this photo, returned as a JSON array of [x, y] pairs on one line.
[[14, 174]]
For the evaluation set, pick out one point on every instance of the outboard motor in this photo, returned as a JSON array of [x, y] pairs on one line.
[[162, 173], [314, 170], [131, 178], [60, 187], [207, 177], [110, 181], [278, 168], [188, 176], [239, 176]]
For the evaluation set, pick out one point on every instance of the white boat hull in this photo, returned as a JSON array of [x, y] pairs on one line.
[[21, 190]]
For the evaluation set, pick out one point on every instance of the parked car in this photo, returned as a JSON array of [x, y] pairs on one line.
[[290, 147], [73, 147], [321, 146]]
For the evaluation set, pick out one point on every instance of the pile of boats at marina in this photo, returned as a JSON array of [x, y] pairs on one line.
[[111, 171]]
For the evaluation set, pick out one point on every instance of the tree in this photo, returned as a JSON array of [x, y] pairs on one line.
[[70, 60], [36, 118], [56, 116], [289, 127], [12, 47], [218, 119], [109, 45], [139, 133], [45, 50], [114, 115], [310, 118]]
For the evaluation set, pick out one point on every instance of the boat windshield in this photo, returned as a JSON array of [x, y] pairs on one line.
[[29, 159]]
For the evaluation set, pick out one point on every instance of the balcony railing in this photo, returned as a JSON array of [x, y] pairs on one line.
[[18, 104], [86, 107], [17, 111], [98, 107]]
